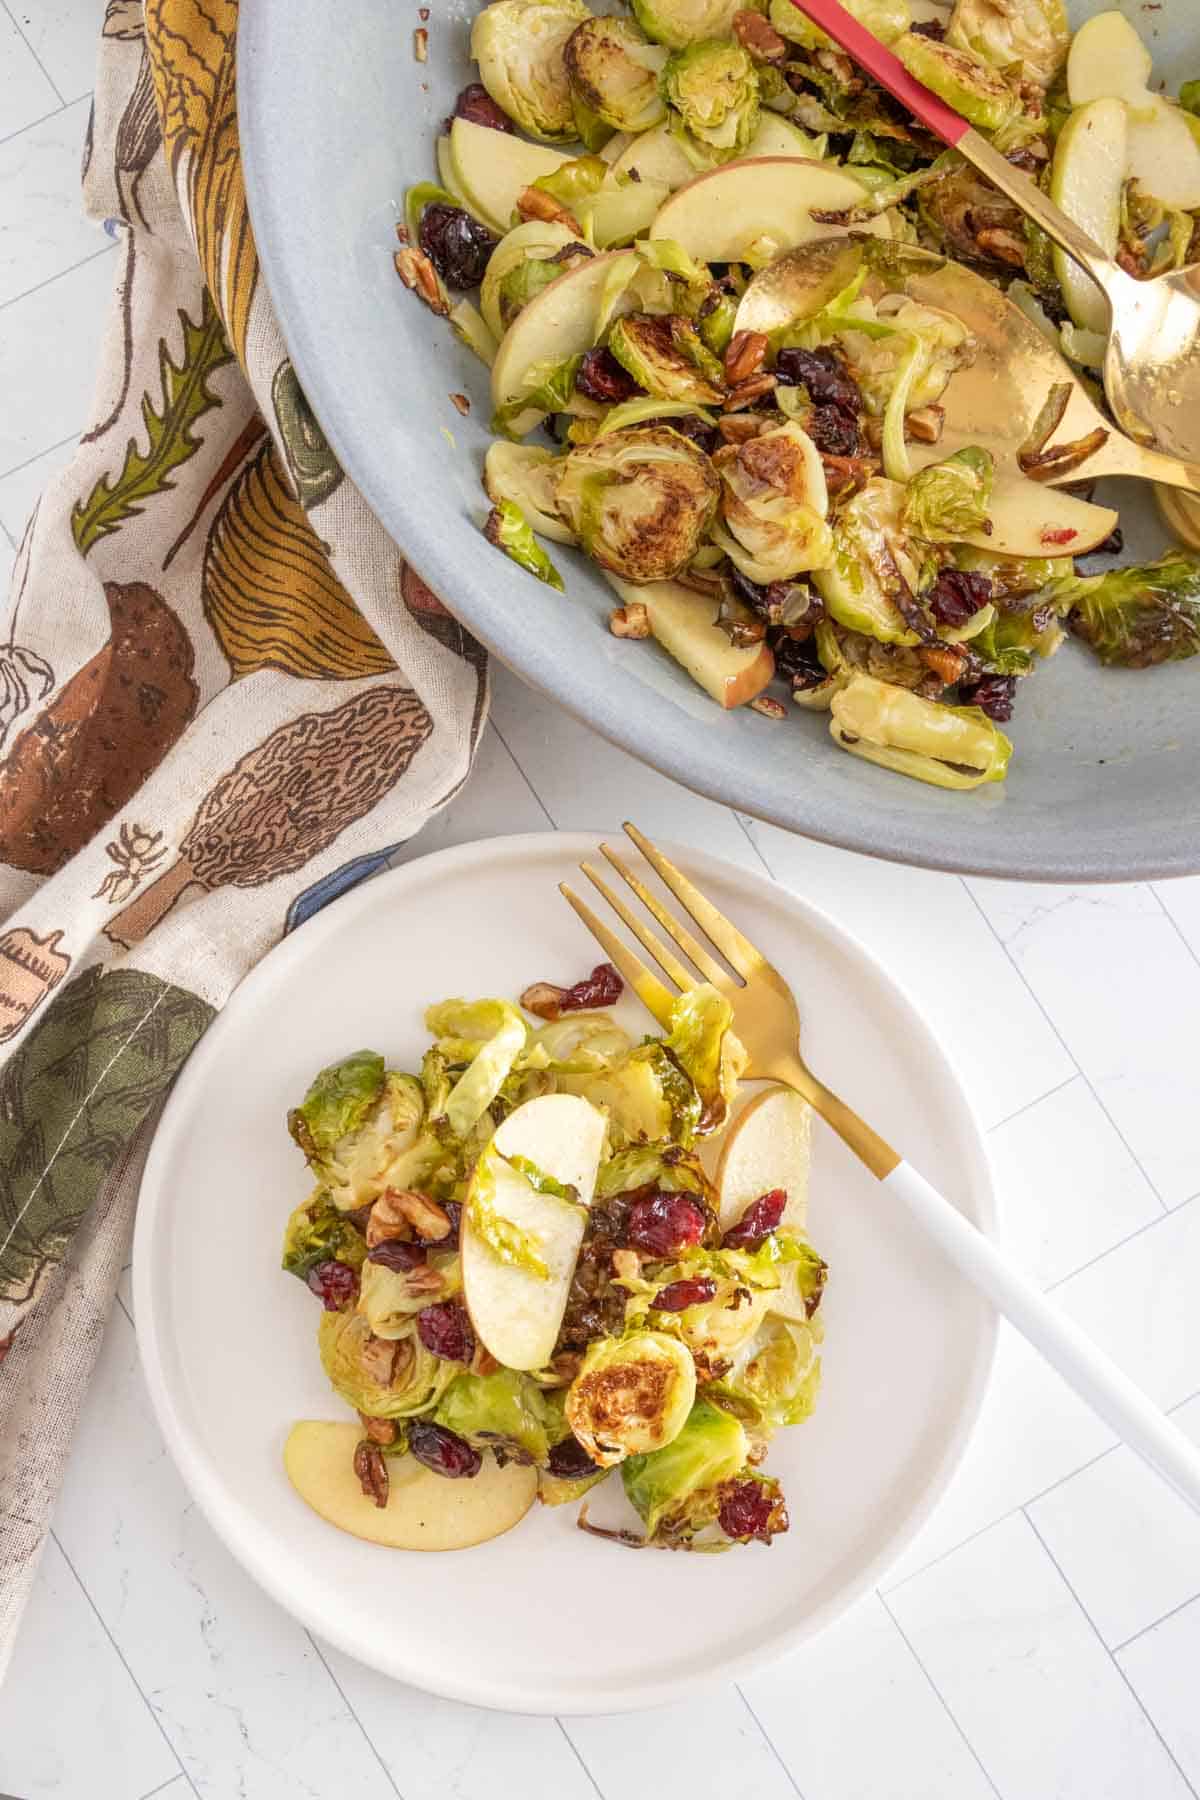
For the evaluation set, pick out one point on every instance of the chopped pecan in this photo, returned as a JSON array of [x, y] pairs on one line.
[[736, 428], [747, 392], [380, 1358], [744, 356], [483, 1362], [418, 273], [426, 1280], [380, 1431], [944, 660], [758, 38], [536, 203], [925, 425], [1003, 244], [462, 403], [421, 44], [631, 621], [770, 709], [399, 1211], [372, 1473]]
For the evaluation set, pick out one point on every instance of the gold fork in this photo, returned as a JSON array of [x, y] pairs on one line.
[[767, 1021]]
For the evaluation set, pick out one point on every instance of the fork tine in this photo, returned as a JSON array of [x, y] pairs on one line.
[[738, 951], [670, 965], [711, 970], [656, 998]]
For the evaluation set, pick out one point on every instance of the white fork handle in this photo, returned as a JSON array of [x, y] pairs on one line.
[[1094, 1376]]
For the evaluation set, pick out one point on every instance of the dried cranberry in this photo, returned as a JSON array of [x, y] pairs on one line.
[[1113, 544], [834, 430], [823, 374], [956, 594], [396, 1253], [664, 1223], [757, 1222], [457, 245], [796, 660], [570, 1461], [694, 1290], [930, 28], [476, 105], [751, 1509], [453, 1211], [446, 1330], [601, 377], [994, 695], [335, 1284], [443, 1451], [603, 987], [688, 426]]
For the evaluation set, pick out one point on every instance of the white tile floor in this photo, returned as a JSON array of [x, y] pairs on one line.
[[1040, 1641]]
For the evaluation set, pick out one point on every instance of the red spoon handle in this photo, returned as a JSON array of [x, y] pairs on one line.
[[887, 69]]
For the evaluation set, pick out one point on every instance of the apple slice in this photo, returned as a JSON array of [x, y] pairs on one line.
[[655, 156], [557, 323], [768, 1145], [1028, 519], [493, 167], [1086, 181], [515, 1310], [448, 176], [764, 202], [1163, 155], [1108, 61], [683, 622], [424, 1511]]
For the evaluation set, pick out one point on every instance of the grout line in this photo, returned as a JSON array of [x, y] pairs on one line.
[[1030, 1104], [8, 536], [1037, 1000], [163, 1786], [1137, 1699], [120, 1656], [574, 1747], [1154, 1624], [320, 1656], [768, 1740], [1150, 1224], [126, 1311], [941, 1698], [37, 59], [62, 443], [1174, 923], [33, 124], [756, 847], [105, 250], [553, 824]]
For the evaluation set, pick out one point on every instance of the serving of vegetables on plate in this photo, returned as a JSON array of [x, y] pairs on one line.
[[773, 508], [551, 1254]]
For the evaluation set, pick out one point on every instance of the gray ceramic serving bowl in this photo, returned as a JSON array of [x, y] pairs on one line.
[[337, 118]]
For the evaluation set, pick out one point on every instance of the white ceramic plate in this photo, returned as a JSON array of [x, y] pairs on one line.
[[548, 1619]]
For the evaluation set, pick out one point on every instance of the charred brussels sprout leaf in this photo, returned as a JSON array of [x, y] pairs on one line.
[[614, 70], [773, 503], [1139, 616], [668, 357], [960, 78], [702, 1041], [505, 1410], [489, 1035], [1032, 35], [337, 1103], [674, 1489], [518, 45], [510, 531], [640, 502], [317, 1232], [949, 500], [946, 746], [713, 89], [631, 1395], [573, 182]]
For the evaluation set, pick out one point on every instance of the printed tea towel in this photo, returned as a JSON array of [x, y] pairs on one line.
[[223, 699]]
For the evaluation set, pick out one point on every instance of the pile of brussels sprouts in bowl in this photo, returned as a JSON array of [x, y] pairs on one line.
[[549, 1255], [771, 508]]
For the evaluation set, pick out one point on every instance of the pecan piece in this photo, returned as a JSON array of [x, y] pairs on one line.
[[925, 425], [770, 709], [401, 1210], [1003, 244], [744, 356], [536, 203], [736, 428], [418, 273], [758, 38], [631, 621], [372, 1473], [378, 1358], [379, 1431], [747, 392], [944, 661]]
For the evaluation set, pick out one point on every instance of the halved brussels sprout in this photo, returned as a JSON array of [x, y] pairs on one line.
[[872, 561], [581, 1044], [665, 1165], [960, 78], [502, 1410], [774, 1376], [614, 70], [639, 501], [356, 1124], [385, 1380], [318, 1232], [946, 746], [948, 500], [885, 19], [646, 1097], [702, 1041], [527, 475], [713, 87], [518, 45], [679, 22], [668, 357], [1036, 34], [631, 1395], [387, 1302], [773, 502], [669, 1487], [336, 1103]]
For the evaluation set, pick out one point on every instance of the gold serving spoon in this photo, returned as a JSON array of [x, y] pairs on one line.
[[997, 401], [1152, 363], [767, 1022]]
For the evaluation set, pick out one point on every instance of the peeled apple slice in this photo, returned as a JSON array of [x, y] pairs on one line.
[[493, 167], [1107, 61], [768, 1145], [761, 205], [424, 1511], [683, 622], [516, 1312], [1086, 181], [557, 323]]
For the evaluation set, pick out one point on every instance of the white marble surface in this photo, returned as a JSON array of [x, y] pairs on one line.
[[1040, 1641]]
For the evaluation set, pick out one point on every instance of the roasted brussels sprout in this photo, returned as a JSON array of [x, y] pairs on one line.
[[960, 78], [318, 1232], [389, 1300], [885, 19], [713, 88], [873, 563], [646, 1096], [631, 1395], [527, 475], [489, 1036], [504, 1410], [356, 1125], [614, 70], [509, 529], [679, 22], [518, 45], [336, 1103], [946, 746], [674, 1489], [639, 501], [948, 500], [773, 504], [385, 1379], [702, 1041], [1139, 616], [774, 1376], [527, 259], [668, 357], [1032, 35]]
